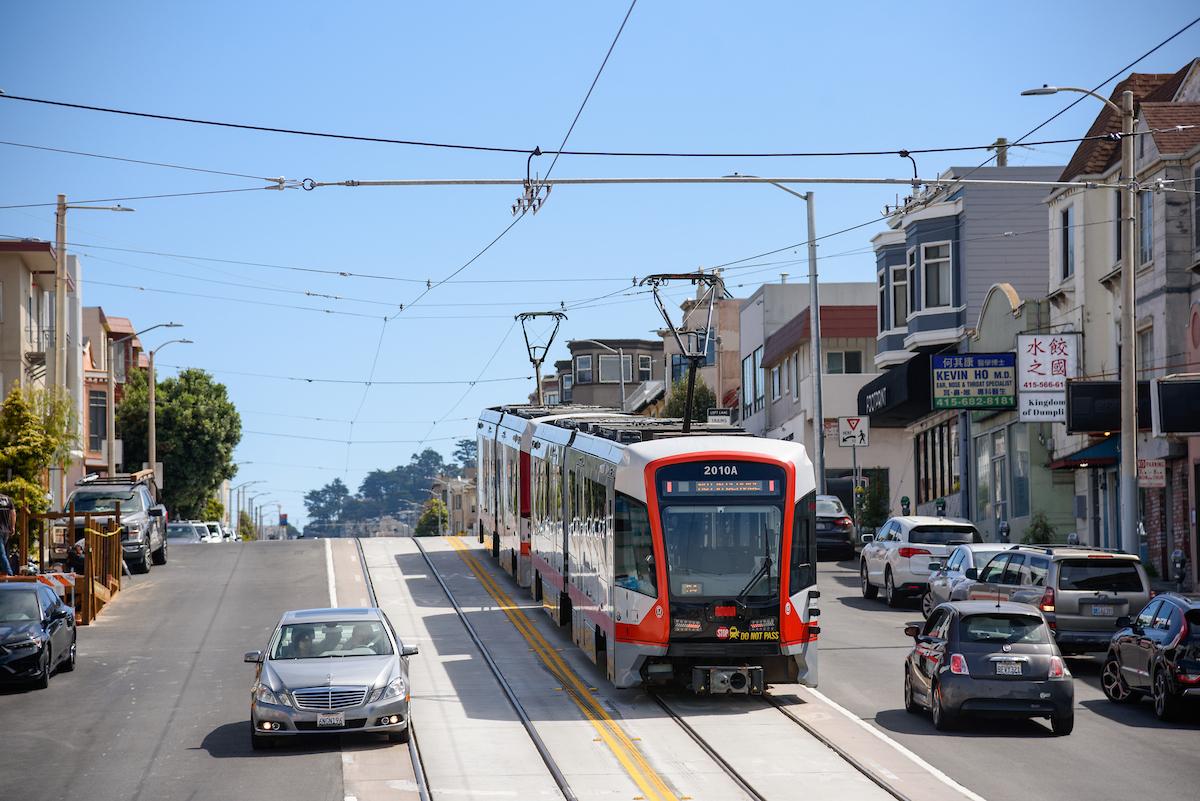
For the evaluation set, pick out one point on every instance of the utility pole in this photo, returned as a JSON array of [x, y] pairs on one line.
[[59, 377], [814, 318]]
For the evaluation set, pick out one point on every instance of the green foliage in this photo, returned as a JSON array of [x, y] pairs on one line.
[[873, 504], [37, 430], [703, 399], [466, 453], [1039, 531], [245, 526], [382, 492], [433, 518], [213, 508], [198, 427]]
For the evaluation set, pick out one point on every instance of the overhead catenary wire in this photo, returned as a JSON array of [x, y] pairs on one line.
[[145, 197], [143, 162], [377, 382]]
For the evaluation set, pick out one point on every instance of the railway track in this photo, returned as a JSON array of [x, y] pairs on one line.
[[414, 749]]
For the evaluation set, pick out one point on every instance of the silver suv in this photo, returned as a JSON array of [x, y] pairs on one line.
[[143, 518], [1082, 591]]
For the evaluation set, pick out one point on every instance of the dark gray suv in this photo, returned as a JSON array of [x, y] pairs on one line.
[[1082, 591], [143, 518]]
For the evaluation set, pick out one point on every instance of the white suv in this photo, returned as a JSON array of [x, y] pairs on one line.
[[897, 556]]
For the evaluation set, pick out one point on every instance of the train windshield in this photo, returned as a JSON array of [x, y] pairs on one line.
[[722, 529]]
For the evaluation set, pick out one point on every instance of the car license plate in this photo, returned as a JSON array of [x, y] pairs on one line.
[[1008, 668], [1102, 611], [331, 720]]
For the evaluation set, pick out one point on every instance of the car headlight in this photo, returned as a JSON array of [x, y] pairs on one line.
[[264, 694], [24, 645], [135, 532], [395, 689]]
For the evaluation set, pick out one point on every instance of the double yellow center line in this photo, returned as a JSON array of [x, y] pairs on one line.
[[651, 784]]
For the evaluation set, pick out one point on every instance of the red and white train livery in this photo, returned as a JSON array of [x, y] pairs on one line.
[[674, 558]]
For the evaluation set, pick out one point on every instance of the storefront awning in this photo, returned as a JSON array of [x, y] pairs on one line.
[[1099, 454], [899, 396]]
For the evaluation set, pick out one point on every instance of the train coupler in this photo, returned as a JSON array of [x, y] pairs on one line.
[[721, 680]]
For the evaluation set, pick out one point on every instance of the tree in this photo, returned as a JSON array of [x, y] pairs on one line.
[[198, 428], [466, 453], [246, 526], [433, 518], [703, 400], [37, 430], [213, 508], [325, 505]]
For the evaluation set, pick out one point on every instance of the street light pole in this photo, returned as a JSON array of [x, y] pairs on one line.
[[151, 439], [110, 391], [814, 333], [1130, 542]]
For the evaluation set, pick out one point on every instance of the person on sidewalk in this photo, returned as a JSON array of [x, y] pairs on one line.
[[75, 561]]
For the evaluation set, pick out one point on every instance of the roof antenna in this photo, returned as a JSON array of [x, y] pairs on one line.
[[537, 353], [700, 344]]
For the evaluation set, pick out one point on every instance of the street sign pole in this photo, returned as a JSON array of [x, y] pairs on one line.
[[854, 494]]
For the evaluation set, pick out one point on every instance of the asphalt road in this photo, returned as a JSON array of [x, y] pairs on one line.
[[157, 707], [1115, 752]]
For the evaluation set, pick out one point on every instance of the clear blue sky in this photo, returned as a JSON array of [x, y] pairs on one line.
[[702, 76]]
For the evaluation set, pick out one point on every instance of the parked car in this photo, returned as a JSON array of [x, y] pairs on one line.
[[143, 519], [947, 578], [298, 690], [987, 658], [228, 533], [214, 530], [1156, 653], [37, 634], [897, 557], [835, 529], [1083, 591], [183, 532], [201, 530]]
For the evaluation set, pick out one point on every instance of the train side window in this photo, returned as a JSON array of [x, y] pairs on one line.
[[634, 547], [804, 547]]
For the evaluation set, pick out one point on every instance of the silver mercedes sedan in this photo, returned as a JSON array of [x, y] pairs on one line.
[[330, 671]]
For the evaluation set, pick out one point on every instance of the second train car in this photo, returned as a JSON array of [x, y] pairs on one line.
[[675, 558]]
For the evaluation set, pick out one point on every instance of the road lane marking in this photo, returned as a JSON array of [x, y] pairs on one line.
[[936, 773], [652, 785], [329, 573]]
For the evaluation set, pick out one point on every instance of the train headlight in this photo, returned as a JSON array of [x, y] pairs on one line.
[[764, 624], [684, 624]]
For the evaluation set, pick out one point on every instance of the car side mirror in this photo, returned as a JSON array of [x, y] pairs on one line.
[[912, 630], [155, 511], [1123, 622], [935, 567], [253, 656], [409, 650], [972, 573], [867, 538], [60, 613]]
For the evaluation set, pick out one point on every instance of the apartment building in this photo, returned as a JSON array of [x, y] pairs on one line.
[[105, 337], [612, 373]]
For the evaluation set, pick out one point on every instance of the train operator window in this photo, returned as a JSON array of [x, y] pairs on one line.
[[634, 550], [803, 568]]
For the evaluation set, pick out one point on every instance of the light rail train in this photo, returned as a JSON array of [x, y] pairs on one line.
[[675, 558]]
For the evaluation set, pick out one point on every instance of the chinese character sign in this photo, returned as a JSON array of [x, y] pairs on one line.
[[1046, 361], [974, 381]]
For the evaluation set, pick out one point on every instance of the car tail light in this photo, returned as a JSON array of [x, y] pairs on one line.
[[908, 553], [1100, 556], [1057, 668], [958, 665], [1047, 602], [845, 521]]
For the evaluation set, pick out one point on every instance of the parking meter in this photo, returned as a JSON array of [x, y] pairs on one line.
[[1178, 567], [905, 505], [1003, 530]]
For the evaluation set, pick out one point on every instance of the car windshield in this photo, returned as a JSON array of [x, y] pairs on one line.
[[830, 507], [175, 531], [940, 534], [19, 605], [1090, 575], [106, 501], [331, 640], [1003, 628]]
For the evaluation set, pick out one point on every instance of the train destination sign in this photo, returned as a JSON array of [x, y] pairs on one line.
[[721, 487], [974, 380]]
